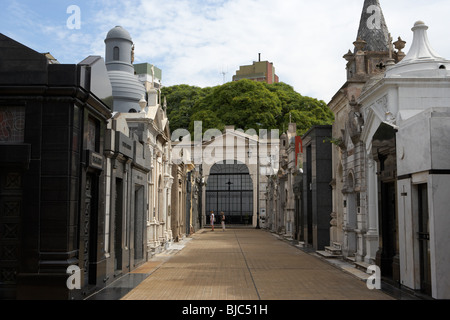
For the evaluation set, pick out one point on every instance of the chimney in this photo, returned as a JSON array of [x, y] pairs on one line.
[[259, 57]]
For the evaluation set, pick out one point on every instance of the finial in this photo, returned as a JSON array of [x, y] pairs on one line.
[[143, 104], [421, 48], [391, 60], [420, 23], [400, 45], [349, 55], [359, 44]]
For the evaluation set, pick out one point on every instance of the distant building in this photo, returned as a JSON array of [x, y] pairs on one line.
[[261, 71], [148, 74]]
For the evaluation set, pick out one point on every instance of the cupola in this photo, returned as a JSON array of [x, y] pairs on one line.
[[421, 60], [128, 92]]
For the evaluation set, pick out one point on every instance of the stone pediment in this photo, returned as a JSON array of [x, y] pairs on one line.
[[217, 137]]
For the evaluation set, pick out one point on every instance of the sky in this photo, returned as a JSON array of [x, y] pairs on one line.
[[203, 43]]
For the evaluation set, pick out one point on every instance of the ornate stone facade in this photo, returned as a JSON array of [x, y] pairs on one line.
[[281, 204], [373, 52]]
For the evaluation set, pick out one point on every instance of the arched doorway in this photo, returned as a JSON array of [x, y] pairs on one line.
[[384, 153], [230, 189]]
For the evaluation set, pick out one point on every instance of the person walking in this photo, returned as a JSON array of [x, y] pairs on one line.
[[222, 220], [212, 219]]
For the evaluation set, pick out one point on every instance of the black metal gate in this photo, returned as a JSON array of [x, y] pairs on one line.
[[230, 189]]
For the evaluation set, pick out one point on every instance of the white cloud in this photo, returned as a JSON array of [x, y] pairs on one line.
[[194, 41]]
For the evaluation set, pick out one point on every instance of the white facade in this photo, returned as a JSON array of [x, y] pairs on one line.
[[147, 121], [251, 150], [414, 99], [257, 153]]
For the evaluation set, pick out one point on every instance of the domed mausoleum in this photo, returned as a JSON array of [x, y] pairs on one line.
[[119, 56]]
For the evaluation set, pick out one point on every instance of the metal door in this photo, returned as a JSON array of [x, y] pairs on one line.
[[424, 240]]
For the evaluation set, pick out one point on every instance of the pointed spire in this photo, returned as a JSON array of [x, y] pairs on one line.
[[373, 28]]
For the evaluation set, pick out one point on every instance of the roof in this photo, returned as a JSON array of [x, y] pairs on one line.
[[373, 28], [118, 32], [421, 60]]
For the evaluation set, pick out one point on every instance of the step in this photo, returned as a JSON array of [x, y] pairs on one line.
[[362, 266], [300, 244], [337, 245], [328, 255], [356, 272], [333, 250], [350, 259]]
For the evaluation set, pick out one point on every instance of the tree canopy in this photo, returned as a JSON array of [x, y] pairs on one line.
[[245, 104]]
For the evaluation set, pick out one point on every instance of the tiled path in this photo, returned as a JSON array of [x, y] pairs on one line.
[[246, 264]]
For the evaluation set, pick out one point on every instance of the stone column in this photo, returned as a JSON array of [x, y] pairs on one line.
[[167, 208], [360, 57], [372, 235]]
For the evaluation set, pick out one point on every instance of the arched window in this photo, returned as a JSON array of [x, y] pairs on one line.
[[351, 181], [116, 53]]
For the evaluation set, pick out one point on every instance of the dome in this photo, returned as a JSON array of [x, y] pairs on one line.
[[421, 60], [118, 33]]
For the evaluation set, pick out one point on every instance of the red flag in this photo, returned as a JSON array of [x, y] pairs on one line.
[[298, 148]]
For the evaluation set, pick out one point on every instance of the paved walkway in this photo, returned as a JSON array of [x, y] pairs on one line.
[[245, 264]]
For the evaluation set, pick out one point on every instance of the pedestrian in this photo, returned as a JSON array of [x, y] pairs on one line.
[[212, 219], [222, 219]]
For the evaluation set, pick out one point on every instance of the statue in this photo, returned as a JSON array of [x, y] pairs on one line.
[[356, 121]]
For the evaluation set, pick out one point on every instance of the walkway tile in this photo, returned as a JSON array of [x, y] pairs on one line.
[[247, 264]]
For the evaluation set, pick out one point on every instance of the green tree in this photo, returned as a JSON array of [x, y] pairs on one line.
[[208, 119], [305, 111], [180, 102], [245, 104]]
